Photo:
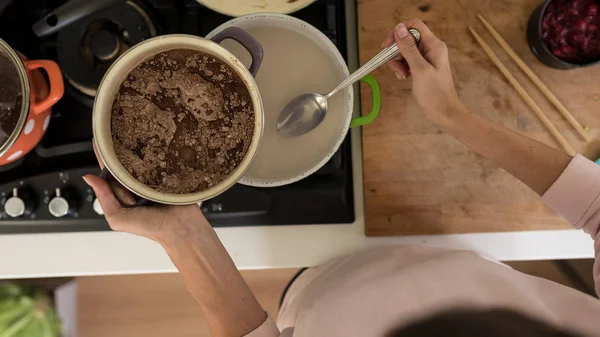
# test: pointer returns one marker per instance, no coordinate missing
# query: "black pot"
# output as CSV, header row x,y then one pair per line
x,y
539,48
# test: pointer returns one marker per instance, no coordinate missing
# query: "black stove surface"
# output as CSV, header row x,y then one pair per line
x,y
65,153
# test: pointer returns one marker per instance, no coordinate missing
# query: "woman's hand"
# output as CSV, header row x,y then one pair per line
x,y
429,65
161,223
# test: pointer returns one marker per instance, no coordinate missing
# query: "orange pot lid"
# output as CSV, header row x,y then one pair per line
x,y
14,96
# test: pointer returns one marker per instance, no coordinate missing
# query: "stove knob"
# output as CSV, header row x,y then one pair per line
x,y
19,204
63,203
97,207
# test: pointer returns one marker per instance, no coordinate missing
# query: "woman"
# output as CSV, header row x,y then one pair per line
x,y
406,290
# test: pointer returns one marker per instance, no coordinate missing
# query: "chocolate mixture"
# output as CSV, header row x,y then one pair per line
x,y
10,98
182,121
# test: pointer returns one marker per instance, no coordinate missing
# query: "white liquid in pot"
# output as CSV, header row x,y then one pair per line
x,y
293,64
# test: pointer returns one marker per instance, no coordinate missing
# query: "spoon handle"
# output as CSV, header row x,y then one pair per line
x,y
377,61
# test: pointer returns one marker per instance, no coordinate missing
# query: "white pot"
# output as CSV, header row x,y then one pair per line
x,y
117,73
262,20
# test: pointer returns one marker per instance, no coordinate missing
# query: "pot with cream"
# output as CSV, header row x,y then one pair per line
x,y
298,59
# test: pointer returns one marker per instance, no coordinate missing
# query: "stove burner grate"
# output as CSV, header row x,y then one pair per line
x,y
88,47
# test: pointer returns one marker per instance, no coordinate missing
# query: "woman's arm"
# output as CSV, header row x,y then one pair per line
x,y
570,186
575,195
213,279
207,269
535,164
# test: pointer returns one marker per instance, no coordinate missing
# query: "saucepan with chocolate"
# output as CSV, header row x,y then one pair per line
x,y
178,119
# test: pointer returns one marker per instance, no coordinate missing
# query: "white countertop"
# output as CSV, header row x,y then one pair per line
x,y
101,253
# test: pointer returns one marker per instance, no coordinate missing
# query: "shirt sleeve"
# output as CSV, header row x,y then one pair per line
x,y
575,196
266,329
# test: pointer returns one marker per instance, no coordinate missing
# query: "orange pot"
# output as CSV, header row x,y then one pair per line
x,y
25,109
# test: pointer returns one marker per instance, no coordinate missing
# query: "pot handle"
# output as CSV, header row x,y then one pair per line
x,y
106,176
57,87
247,41
375,105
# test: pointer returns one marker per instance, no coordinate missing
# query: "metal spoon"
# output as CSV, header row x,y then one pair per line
x,y
306,111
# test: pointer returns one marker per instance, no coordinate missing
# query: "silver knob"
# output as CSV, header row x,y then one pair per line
x,y
15,206
97,207
59,206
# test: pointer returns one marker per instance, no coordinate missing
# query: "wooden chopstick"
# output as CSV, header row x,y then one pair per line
x,y
535,79
536,109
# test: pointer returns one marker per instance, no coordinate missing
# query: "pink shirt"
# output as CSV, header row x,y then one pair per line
x,y
369,293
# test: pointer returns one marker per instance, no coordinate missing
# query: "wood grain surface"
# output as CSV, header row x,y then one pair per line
x,y
419,180
159,305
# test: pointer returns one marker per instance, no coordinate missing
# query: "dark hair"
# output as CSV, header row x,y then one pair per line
x,y
479,323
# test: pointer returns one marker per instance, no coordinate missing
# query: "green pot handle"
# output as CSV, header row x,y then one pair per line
x,y
375,107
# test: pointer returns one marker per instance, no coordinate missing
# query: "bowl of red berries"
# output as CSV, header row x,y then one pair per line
x,y
565,34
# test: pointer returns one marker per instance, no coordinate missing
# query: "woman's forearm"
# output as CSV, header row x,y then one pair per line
x,y
213,279
535,164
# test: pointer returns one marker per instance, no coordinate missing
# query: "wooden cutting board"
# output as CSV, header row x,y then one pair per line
x,y
419,180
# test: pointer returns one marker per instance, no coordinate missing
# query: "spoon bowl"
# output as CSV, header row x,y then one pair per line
x,y
302,114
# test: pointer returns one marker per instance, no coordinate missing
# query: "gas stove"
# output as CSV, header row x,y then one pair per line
x,y
84,51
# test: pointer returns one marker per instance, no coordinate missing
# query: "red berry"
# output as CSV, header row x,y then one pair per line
x,y
581,25
557,52
567,50
574,11
593,9
563,32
